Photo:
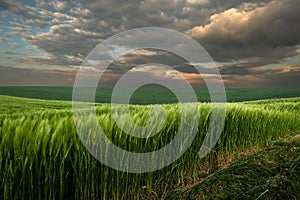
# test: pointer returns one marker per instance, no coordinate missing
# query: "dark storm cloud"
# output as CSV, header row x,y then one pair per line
x,y
78,26
268,31
179,15
65,41
248,33
4,5
102,19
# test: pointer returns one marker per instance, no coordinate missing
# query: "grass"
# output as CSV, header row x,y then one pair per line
x,y
11,104
148,95
42,156
272,173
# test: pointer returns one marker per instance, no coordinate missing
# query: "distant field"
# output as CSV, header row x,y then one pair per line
x,y
148,95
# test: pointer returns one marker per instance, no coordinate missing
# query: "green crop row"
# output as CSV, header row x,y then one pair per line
x,y
42,156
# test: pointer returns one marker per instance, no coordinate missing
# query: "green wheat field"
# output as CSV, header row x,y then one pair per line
x,y
256,157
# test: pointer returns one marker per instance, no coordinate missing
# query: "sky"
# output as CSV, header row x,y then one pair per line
x,y
255,44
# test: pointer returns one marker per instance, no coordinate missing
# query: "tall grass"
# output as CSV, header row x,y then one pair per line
x,y
42,156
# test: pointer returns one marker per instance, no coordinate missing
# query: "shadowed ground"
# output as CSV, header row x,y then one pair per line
x,y
272,173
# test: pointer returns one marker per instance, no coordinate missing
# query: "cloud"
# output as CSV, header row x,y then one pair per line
x,y
196,2
4,5
236,76
2,40
80,12
14,76
140,57
18,29
13,53
65,41
75,28
13,45
49,60
252,30
30,49
61,5
38,22
285,77
122,15
247,33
